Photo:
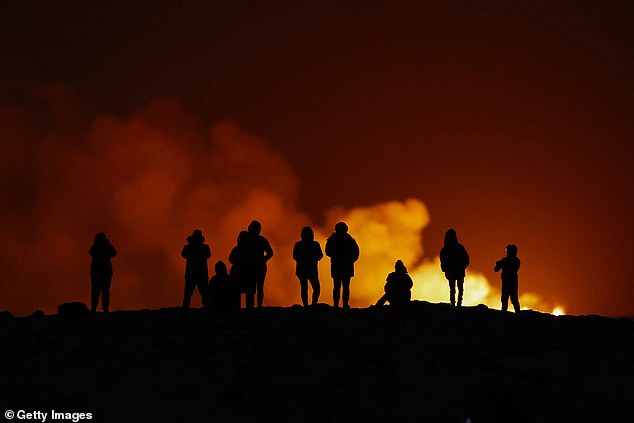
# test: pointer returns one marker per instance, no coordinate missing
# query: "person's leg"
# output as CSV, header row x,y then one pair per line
x,y
314,282
249,300
303,291
452,291
105,294
201,285
505,296
259,285
346,292
190,285
382,301
336,291
460,291
95,289
514,298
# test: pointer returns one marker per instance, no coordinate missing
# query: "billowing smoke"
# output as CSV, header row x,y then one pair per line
x,y
148,180
394,231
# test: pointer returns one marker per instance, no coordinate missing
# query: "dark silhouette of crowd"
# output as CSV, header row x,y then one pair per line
x,y
249,258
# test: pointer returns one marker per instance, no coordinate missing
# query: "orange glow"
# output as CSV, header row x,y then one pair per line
x,y
558,311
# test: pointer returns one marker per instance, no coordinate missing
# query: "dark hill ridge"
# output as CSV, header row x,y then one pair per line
x,y
430,362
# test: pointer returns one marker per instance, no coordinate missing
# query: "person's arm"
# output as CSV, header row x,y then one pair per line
x,y
113,252
498,266
233,255
296,252
185,252
318,253
268,251
355,250
207,251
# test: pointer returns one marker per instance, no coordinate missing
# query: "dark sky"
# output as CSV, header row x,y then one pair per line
x,y
512,121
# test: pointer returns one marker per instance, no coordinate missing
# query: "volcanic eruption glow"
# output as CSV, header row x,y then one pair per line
x,y
148,180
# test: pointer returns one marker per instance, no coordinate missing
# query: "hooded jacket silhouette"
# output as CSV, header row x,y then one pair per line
x,y
454,261
343,252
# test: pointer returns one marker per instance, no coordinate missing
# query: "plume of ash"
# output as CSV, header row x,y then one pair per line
x,y
148,180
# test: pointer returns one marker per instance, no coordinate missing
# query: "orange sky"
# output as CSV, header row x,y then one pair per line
x,y
510,123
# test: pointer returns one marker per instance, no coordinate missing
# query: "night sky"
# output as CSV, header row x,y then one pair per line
x,y
511,121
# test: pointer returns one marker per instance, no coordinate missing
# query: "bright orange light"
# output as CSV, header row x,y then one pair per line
x,y
558,311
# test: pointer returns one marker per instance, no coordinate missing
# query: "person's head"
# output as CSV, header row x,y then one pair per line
x,y
255,227
511,250
341,228
451,237
243,238
221,268
399,267
308,234
100,238
196,237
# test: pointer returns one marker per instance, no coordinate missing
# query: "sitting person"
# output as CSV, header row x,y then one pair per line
x,y
220,294
398,287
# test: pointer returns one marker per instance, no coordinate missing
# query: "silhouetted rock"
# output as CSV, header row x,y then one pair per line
x,y
73,310
37,314
427,362
5,315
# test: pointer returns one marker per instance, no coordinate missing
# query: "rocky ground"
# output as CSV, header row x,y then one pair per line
x,y
429,363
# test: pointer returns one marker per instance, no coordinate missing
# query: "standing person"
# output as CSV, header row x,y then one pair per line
x,y
454,261
241,259
510,265
262,252
397,287
196,252
307,254
101,252
343,252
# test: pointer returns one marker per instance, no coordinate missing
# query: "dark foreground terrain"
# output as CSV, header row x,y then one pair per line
x,y
429,363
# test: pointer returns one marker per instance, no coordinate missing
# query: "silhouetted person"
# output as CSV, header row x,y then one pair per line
x,y
343,252
101,252
398,287
262,252
242,269
307,254
196,252
454,261
510,265
221,293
